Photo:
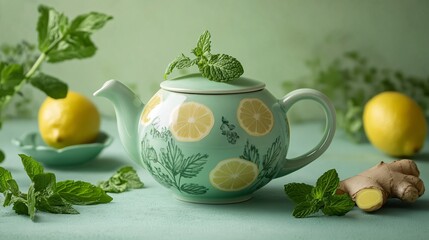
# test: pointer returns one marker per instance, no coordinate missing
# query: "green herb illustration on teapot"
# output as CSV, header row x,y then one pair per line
x,y
170,166
227,129
266,163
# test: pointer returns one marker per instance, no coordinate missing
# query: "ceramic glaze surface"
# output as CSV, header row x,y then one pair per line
x,y
208,132
212,142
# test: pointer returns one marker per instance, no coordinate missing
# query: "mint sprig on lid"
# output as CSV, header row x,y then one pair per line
x,y
215,67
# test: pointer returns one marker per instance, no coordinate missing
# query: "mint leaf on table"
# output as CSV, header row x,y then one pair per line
x,y
124,179
12,195
45,183
82,193
215,67
31,166
326,185
5,176
304,209
20,207
323,197
31,202
55,204
337,205
298,192
45,193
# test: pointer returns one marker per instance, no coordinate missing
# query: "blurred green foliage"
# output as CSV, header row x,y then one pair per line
x,y
350,81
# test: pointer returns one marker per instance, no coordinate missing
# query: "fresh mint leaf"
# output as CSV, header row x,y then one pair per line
x,y
52,27
11,76
337,205
45,194
203,45
221,68
215,67
55,204
45,183
31,166
89,22
185,63
31,202
13,187
51,86
323,196
75,46
81,193
113,185
298,192
61,41
5,176
326,185
128,174
180,62
125,178
304,209
20,207
7,199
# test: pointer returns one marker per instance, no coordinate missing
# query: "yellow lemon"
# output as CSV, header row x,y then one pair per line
x,y
395,124
153,102
191,122
68,121
233,174
255,117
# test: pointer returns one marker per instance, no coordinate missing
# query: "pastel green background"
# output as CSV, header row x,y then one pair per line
x,y
272,39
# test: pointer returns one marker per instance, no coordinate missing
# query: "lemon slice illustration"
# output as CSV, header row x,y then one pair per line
x,y
233,174
191,122
153,102
255,117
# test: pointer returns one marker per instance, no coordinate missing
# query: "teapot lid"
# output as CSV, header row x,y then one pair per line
x,y
195,83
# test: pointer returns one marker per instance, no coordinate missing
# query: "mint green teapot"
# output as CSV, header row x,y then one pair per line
x,y
212,142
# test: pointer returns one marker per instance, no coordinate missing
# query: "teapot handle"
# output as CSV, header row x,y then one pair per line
x,y
291,165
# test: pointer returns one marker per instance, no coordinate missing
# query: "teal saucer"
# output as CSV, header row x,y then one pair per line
x,y
33,145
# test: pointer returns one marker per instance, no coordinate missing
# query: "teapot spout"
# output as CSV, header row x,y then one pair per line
x,y
128,108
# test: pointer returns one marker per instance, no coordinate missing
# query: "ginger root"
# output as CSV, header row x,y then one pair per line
x,y
371,188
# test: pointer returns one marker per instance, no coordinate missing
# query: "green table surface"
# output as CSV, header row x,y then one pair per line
x,y
153,213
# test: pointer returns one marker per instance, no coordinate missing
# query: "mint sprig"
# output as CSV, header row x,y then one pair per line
x,y
215,67
45,193
125,178
59,39
311,199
